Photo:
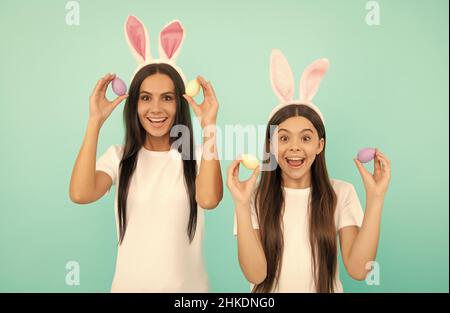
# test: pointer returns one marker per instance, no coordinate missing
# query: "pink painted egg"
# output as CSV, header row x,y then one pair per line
x,y
119,87
366,155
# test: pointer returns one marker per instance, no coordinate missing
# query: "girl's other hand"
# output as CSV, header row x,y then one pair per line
x,y
376,184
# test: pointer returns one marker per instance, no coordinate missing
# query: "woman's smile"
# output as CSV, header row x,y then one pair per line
x,y
157,122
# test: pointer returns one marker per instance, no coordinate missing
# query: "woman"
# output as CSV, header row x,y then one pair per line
x,y
159,185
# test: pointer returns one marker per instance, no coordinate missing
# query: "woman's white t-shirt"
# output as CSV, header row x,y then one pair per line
x,y
155,255
296,268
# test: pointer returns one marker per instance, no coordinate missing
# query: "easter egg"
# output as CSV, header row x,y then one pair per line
x,y
366,155
250,161
193,88
119,87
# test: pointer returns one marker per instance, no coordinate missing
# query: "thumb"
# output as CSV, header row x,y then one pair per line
x,y
255,175
230,175
193,104
119,100
362,170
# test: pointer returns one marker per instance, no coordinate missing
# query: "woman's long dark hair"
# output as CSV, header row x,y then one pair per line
x,y
135,138
269,201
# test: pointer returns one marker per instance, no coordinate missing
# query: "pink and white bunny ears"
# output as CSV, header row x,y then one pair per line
x,y
171,39
282,81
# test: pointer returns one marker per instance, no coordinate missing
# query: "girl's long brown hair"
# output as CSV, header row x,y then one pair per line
x,y
269,201
135,139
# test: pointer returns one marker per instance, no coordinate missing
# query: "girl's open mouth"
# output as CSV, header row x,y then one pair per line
x,y
157,122
295,162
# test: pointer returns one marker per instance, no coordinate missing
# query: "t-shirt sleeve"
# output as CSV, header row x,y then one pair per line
x,y
349,208
109,162
254,218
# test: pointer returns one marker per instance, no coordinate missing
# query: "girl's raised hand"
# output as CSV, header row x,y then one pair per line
x,y
241,190
100,108
376,184
206,112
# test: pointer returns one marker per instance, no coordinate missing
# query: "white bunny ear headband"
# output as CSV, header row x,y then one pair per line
x,y
171,39
282,81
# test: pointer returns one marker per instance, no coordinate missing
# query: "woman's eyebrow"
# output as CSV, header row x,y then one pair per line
x,y
302,131
164,93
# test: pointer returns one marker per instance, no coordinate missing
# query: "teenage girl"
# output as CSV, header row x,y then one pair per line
x,y
288,223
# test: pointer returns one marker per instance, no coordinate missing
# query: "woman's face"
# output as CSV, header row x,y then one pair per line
x,y
157,105
298,145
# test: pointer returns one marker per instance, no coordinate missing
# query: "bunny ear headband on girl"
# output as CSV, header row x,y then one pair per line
x,y
282,81
171,38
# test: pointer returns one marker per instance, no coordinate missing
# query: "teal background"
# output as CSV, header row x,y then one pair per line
x,y
387,87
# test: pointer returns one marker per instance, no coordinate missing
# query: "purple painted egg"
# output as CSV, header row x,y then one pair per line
x,y
119,87
366,155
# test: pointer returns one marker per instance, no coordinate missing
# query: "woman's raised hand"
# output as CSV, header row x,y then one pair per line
x,y
100,107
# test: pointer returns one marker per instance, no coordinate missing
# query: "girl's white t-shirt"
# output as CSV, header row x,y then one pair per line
x,y
296,268
155,255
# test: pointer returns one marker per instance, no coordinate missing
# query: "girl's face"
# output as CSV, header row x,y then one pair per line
x,y
157,105
298,145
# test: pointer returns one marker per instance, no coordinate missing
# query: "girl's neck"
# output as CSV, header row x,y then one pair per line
x,y
157,143
301,183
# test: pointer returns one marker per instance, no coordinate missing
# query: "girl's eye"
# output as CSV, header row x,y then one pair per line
x,y
167,98
145,98
306,138
283,138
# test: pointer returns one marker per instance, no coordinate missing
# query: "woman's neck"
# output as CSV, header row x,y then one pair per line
x,y
157,143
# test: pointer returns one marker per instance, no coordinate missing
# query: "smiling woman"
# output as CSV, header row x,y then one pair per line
x,y
157,112
161,190
157,105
